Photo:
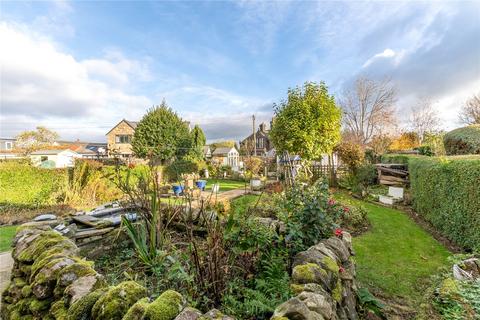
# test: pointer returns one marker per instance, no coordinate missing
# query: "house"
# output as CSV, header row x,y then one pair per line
x,y
263,143
92,150
119,139
54,158
7,144
227,156
207,152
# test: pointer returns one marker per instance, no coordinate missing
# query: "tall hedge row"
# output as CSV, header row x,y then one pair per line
x,y
464,140
28,185
446,192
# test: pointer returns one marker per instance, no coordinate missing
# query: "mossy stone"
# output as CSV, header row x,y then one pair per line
x,y
59,311
116,302
26,291
330,264
37,306
337,291
42,243
166,307
308,273
137,311
82,308
448,288
279,318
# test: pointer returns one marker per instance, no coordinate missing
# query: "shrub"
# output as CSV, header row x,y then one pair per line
x,y
446,193
27,185
463,140
174,171
351,155
397,158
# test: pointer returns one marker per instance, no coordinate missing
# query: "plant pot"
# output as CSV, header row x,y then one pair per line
x,y
201,184
177,190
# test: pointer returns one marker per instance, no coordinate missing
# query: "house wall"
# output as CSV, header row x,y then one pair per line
x,y
121,148
62,160
6,145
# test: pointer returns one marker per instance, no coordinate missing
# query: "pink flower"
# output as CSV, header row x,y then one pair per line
x,y
341,269
331,202
338,232
346,209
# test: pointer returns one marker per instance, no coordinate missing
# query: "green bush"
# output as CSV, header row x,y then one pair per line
x,y
174,171
446,193
397,158
463,140
23,184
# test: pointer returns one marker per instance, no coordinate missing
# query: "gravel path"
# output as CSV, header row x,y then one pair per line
x,y
6,264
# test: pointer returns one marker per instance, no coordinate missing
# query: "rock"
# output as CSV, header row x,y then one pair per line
x,y
83,286
166,307
349,301
45,280
468,269
81,309
215,314
116,302
308,287
44,217
189,314
58,310
308,273
325,251
347,241
338,247
309,256
293,309
322,304
137,311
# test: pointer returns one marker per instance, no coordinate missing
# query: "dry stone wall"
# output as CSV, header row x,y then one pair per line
x,y
51,281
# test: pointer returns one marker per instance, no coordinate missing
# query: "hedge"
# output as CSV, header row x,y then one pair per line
x,y
398,158
446,192
464,140
23,184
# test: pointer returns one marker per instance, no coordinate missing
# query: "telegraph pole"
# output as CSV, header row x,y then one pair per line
x,y
254,136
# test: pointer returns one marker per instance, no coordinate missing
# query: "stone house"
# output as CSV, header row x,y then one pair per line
x,y
119,139
263,143
226,156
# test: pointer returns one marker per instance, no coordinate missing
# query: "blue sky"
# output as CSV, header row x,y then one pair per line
x,y
80,67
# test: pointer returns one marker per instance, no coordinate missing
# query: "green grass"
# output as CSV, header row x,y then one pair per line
x,y
6,236
396,255
241,204
225,185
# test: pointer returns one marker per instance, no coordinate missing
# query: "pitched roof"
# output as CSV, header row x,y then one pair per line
x,y
132,124
50,151
222,150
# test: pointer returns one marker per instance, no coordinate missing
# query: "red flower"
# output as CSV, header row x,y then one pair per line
x,y
331,202
131,165
346,209
338,232
341,269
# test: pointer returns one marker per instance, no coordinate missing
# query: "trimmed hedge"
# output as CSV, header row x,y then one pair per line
x,y
25,184
398,158
446,192
464,140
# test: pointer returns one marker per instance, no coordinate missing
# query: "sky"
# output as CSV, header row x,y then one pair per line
x,y
80,67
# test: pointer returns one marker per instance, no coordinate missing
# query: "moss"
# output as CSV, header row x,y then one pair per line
x,y
19,282
278,318
26,269
37,306
308,273
58,310
330,264
166,307
81,268
62,249
82,308
42,243
296,288
137,311
448,288
337,291
50,271
26,291
116,302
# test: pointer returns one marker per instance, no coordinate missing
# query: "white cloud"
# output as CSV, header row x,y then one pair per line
x,y
387,53
42,83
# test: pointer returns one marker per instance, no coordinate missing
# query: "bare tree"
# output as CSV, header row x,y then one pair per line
x,y
424,118
470,113
35,139
368,108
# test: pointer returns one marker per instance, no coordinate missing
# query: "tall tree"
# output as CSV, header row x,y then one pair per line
x,y
198,142
368,108
470,113
424,119
35,139
308,122
161,134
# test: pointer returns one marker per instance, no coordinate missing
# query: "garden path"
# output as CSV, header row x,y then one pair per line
x,y
6,264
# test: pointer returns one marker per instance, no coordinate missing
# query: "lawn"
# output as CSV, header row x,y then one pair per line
x,y
225,185
6,236
241,204
396,255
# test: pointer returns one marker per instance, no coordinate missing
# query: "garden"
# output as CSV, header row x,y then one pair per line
x,y
301,246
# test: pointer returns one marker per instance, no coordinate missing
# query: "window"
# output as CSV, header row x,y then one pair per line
x,y
43,158
124,138
8,145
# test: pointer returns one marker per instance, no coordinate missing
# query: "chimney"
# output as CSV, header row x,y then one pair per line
x,y
263,127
